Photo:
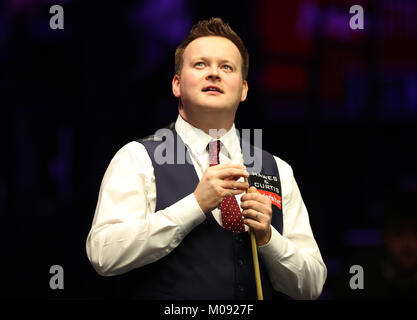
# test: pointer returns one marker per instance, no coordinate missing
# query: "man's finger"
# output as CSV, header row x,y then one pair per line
x,y
253,190
257,196
232,172
232,184
255,205
252,214
228,165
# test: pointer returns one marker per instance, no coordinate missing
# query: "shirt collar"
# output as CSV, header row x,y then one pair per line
x,y
197,139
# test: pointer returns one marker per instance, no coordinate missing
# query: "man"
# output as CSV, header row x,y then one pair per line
x,y
160,224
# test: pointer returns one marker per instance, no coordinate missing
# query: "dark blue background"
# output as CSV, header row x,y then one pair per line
x,y
339,105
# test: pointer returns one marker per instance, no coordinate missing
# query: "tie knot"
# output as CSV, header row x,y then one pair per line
x,y
214,150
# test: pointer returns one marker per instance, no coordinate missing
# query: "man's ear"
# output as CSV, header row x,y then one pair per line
x,y
176,86
245,89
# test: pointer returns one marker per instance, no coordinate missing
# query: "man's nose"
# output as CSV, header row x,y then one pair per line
x,y
213,73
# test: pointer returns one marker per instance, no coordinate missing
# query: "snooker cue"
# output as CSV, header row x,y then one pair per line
x,y
255,260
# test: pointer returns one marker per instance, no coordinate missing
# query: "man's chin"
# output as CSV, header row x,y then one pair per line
x,y
209,105
214,105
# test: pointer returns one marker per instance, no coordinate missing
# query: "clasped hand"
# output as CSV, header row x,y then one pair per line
x,y
220,181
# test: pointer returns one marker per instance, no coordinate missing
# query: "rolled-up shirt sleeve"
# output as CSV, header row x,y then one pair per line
x,y
293,260
126,232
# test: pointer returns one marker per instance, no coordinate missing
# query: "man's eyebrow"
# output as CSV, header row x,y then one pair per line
x,y
198,58
206,58
227,61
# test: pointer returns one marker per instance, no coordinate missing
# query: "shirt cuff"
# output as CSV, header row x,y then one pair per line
x,y
187,213
276,247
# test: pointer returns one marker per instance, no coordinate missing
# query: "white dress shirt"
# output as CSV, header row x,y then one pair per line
x,y
127,233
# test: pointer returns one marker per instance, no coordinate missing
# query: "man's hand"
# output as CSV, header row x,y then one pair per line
x,y
257,210
218,182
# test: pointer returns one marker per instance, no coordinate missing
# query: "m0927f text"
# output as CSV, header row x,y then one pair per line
x,y
238,309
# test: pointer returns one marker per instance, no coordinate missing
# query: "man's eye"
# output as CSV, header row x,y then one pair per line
x,y
227,67
199,64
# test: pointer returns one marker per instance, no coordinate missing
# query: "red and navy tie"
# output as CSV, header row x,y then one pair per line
x,y
231,215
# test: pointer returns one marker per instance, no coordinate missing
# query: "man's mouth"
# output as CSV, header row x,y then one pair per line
x,y
212,89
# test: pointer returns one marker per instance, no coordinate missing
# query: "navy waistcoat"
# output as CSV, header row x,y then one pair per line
x,y
210,262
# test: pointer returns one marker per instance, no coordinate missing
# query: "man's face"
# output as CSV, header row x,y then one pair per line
x,y
211,76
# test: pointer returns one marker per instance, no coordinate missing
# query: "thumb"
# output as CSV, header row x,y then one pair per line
x,y
253,190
